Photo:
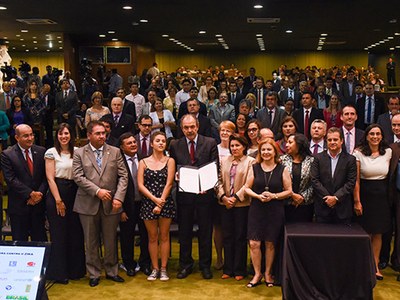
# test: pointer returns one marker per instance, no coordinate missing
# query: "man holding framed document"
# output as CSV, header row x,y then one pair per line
x,y
194,150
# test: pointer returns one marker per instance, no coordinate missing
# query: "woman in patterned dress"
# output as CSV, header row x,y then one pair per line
x,y
155,179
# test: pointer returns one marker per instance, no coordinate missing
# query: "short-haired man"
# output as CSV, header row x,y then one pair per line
x,y
318,132
369,107
194,108
259,91
348,88
333,177
385,119
66,104
128,107
136,98
108,126
23,168
321,98
352,135
194,150
271,115
5,96
100,173
193,94
122,121
183,94
143,137
223,111
234,96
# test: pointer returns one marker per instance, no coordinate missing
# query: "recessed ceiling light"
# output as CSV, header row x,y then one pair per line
x,y
218,35
366,48
127,7
60,47
4,37
165,35
392,48
3,8
26,50
397,33
7,42
258,34
289,31
143,21
48,50
13,48
23,45
17,35
60,42
390,37
21,39
50,44
24,30
393,21
135,23
258,6
114,40
102,35
34,37
111,31
386,40
202,31
397,47
35,42
324,34
191,50
35,48
59,37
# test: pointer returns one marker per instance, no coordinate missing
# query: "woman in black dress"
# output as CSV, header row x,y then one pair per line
x,y
155,178
269,184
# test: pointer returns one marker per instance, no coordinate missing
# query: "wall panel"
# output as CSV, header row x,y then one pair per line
x,y
40,60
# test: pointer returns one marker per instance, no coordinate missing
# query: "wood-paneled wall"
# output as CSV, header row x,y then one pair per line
x,y
264,63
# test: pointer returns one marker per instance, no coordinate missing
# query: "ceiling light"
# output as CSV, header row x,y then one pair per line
x,y
191,50
392,48
258,6
48,50
21,39
60,48
59,42
397,33
23,45
24,30
34,37
127,7
322,38
3,8
390,37
14,48
35,42
6,42
202,31
258,34
4,37
102,35
218,35
143,21
366,48
114,40
397,47
386,40
35,48
289,31
111,31
324,34
165,35
135,23
50,44
17,35
27,50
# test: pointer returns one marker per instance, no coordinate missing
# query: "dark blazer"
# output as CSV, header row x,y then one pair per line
x,y
359,136
125,124
129,109
20,182
140,154
341,185
127,205
183,109
284,95
248,84
386,123
263,117
206,152
239,97
49,109
346,98
254,91
379,109
298,115
68,105
205,127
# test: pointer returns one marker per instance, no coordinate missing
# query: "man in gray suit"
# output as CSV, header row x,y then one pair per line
x,y
271,115
222,111
102,179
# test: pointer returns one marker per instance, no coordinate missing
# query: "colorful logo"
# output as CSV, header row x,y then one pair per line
x,y
8,287
12,264
31,264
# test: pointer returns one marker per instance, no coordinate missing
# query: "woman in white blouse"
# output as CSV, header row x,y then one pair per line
x,y
97,110
162,119
67,257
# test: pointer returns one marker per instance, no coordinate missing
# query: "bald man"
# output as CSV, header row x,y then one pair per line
x,y
122,121
24,171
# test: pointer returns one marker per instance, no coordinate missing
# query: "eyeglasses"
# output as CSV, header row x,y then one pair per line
x,y
252,129
146,125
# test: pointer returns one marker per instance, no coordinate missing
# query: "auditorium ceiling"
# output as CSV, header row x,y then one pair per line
x,y
205,25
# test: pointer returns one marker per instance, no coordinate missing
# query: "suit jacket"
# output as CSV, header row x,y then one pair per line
x,y
298,115
139,142
394,194
68,105
254,91
113,176
386,123
20,182
263,117
125,124
128,205
284,95
359,136
217,116
379,109
243,169
205,127
3,101
346,98
341,185
183,109
206,152
49,109
238,97
248,84
129,109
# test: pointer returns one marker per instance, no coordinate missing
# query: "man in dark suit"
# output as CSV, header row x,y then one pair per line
x,y
249,81
205,128
391,72
307,114
108,125
194,150
385,119
260,92
348,88
352,135
369,108
66,104
291,93
318,132
183,108
337,83
130,211
321,98
23,168
122,121
48,111
100,173
5,96
234,97
15,90
271,115
333,177
128,106
143,137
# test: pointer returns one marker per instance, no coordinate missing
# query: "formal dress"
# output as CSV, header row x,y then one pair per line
x,y
67,256
155,181
266,219
374,192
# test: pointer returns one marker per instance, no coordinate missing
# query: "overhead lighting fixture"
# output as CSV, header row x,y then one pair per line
x,y
35,48
258,35
111,31
59,37
392,48
114,40
165,35
48,50
26,50
324,34
23,45
4,37
102,35
127,7
3,8
60,42
50,44
143,21
60,48
289,31
202,31
35,42
397,33
258,6
34,37
17,35
24,30
21,40
218,35
390,37
7,42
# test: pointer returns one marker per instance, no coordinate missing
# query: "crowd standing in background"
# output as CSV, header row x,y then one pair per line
x,y
305,145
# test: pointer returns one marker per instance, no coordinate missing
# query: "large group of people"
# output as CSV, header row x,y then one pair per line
x,y
303,147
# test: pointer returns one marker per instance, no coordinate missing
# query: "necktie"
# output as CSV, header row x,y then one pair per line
x,y
291,94
270,117
144,146
369,111
259,98
306,121
233,98
116,117
348,149
8,103
98,158
133,171
232,175
192,151
29,161
65,95
315,151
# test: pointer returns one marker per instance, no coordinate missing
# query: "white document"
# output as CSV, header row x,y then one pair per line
x,y
194,180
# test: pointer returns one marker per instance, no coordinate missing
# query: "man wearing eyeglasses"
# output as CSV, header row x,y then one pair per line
x,y
143,137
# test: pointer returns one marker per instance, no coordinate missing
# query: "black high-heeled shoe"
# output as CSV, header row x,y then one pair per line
x,y
251,285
